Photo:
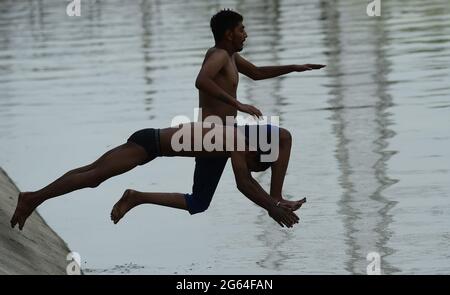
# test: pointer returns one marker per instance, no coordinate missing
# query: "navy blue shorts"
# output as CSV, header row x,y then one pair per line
x,y
206,178
208,172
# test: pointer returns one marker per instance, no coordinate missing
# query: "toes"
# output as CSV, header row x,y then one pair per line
x,y
114,215
113,212
21,224
298,204
13,221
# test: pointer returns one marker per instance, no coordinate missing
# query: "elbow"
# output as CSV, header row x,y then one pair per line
x,y
285,137
258,77
257,74
242,188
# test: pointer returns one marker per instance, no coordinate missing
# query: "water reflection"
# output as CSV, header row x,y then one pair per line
x,y
146,11
265,34
7,103
359,67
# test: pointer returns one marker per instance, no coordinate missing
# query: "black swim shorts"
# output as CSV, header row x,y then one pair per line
x,y
149,139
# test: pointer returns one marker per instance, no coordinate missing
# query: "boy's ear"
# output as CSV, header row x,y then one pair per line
x,y
228,35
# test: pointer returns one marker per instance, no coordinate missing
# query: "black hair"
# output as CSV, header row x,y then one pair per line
x,y
222,21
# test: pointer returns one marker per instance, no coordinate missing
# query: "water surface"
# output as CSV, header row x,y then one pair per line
x,y
371,131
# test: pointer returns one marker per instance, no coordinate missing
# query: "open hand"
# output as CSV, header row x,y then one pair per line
x,y
283,215
308,67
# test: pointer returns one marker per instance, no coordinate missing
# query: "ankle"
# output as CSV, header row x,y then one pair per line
x,y
277,198
135,197
34,196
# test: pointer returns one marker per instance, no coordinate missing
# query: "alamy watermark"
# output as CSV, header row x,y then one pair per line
x,y
74,266
374,267
74,8
374,8
212,134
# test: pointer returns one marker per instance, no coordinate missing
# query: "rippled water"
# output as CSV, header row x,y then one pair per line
x,y
371,131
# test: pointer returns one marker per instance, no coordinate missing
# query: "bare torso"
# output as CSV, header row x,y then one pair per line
x,y
227,79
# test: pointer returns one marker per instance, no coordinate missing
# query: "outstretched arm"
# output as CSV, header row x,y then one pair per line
x,y
252,190
259,73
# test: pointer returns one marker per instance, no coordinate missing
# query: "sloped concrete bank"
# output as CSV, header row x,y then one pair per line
x,y
35,250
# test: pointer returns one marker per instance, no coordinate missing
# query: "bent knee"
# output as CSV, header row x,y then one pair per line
x,y
199,208
285,136
196,205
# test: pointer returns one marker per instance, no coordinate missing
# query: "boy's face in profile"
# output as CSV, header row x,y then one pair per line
x,y
239,36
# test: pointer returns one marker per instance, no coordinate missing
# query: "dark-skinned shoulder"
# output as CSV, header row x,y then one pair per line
x,y
213,63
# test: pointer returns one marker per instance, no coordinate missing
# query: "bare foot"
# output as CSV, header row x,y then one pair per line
x,y
26,203
293,205
126,202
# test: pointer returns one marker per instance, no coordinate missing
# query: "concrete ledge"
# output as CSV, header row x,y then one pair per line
x,y
35,250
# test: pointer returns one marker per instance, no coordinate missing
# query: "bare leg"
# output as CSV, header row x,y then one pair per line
x,y
132,198
279,169
114,162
